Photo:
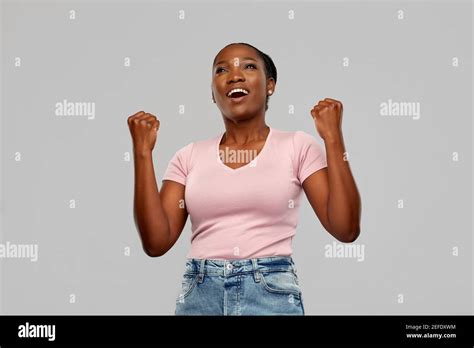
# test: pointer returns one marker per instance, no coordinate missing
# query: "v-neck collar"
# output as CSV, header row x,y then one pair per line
x,y
219,138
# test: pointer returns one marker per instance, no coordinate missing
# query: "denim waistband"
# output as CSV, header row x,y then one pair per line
x,y
234,266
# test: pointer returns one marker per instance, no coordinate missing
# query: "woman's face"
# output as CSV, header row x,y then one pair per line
x,y
239,66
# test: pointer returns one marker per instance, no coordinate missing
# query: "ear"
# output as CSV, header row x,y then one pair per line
x,y
271,85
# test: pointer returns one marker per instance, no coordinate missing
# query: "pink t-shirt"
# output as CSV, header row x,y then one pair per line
x,y
251,211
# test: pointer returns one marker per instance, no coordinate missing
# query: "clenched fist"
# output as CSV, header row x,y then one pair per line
x,y
327,115
144,129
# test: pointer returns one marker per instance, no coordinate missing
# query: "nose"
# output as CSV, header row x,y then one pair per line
x,y
235,79
236,75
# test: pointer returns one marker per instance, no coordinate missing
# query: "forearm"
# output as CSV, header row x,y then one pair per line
x,y
150,218
344,199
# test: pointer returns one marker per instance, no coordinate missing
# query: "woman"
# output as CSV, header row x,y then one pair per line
x,y
243,211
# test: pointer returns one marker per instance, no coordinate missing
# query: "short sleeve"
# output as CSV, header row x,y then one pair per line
x,y
178,167
310,156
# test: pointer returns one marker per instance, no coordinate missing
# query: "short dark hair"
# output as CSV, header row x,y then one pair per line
x,y
270,68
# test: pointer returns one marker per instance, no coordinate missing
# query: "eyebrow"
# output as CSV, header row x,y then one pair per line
x,y
244,58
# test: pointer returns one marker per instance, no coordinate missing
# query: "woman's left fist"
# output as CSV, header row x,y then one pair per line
x,y
327,115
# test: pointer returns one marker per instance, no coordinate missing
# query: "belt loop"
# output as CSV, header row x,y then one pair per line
x,y
256,272
293,264
201,271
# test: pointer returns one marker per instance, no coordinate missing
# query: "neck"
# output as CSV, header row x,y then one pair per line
x,y
244,133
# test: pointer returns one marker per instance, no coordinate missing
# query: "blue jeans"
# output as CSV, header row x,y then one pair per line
x,y
259,286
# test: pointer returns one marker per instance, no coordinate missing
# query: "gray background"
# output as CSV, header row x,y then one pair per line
x,y
81,251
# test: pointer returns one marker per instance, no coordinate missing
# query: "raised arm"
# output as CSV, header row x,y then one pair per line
x,y
159,216
332,191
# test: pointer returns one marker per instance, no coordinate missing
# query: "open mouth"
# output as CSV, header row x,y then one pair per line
x,y
237,95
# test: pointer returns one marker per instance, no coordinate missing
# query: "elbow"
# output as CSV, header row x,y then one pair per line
x,y
153,251
154,247
347,233
350,236
153,254
353,236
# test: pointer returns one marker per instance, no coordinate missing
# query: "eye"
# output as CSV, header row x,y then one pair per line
x,y
218,70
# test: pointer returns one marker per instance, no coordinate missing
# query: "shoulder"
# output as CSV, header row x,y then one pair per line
x,y
302,141
195,146
282,137
297,135
198,151
297,140
303,137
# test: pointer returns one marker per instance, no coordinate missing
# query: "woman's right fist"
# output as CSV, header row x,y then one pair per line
x,y
143,128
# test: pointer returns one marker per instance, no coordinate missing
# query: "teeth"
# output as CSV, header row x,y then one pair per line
x,y
237,90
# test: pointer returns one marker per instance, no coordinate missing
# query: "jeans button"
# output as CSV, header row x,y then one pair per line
x,y
229,266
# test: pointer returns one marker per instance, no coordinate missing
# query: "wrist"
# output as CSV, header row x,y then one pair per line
x,y
333,138
142,153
